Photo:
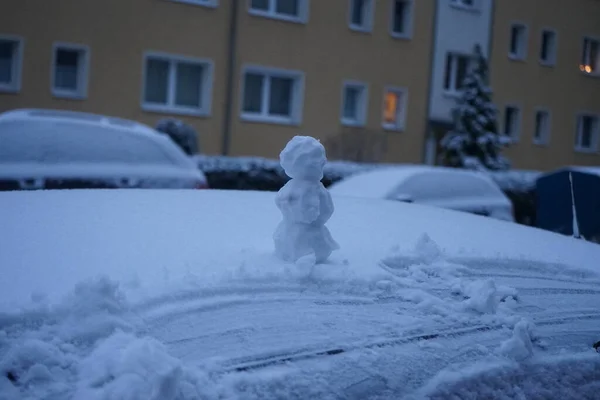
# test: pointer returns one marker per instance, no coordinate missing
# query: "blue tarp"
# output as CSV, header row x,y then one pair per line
x,y
554,205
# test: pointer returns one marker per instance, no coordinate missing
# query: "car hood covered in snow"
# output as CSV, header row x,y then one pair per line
x,y
177,295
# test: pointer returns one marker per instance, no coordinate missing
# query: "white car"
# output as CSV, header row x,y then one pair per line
x,y
451,188
53,149
176,295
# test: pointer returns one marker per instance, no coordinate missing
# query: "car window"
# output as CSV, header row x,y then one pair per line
x,y
68,142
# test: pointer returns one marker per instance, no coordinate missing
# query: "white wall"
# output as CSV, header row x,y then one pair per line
x,y
458,30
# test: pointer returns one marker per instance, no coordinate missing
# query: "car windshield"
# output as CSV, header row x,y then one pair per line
x,y
58,142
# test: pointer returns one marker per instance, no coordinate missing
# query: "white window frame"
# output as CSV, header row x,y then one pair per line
x,y
516,135
83,71
369,18
363,106
584,52
203,3
409,21
544,139
400,124
303,7
297,100
171,107
15,85
553,51
595,133
462,5
525,27
453,91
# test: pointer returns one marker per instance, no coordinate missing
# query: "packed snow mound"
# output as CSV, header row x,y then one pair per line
x,y
520,346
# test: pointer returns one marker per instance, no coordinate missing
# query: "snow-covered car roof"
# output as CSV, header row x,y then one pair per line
x,y
109,294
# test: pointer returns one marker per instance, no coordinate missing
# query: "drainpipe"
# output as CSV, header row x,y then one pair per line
x,y
231,62
431,73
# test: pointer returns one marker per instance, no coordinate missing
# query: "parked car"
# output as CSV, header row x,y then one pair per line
x,y
451,188
52,149
172,294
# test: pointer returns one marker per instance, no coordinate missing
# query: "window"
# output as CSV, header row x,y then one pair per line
x,y
456,69
272,95
361,15
401,21
11,53
463,3
354,103
394,108
177,84
291,10
518,42
541,134
548,47
70,70
590,57
587,133
512,117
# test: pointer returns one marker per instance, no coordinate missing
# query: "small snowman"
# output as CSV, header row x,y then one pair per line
x,y
304,203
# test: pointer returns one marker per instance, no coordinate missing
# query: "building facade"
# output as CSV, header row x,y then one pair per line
x,y
375,80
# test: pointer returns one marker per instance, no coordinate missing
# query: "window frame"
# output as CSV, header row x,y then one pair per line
x,y
363,107
595,138
170,107
297,100
551,62
15,85
409,22
516,135
369,18
83,71
461,5
400,125
583,55
202,3
453,90
544,139
514,56
303,8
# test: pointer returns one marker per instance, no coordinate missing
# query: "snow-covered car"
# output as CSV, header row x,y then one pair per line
x,y
112,295
53,149
450,188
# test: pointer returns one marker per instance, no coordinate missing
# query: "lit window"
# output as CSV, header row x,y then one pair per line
x,y
456,70
394,108
401,18
10,64
548,47
587,133
590,57
518,41
361,15
354,104
70,70
541,133
512,116
177,84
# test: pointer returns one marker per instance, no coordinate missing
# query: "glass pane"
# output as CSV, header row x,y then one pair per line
x,y
514,40
260,5
287,7
7,50
594,56
461,70
448,73
509,117
253,86
544,55
188,89
351,99
586,132
539,125
157,81
66,69
67,58
392,108
280,100
358,12
400,16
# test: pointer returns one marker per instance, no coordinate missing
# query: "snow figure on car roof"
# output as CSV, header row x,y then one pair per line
x,y
305,204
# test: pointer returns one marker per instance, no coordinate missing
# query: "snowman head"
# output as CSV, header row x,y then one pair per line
x,y
303,158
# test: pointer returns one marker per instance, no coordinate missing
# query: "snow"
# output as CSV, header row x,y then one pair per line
x,y
304,203
520,345
175,294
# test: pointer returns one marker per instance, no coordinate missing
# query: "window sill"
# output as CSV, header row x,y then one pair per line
x,y
278,17
585,150
201,3
163,109
452,94
549,64
267,119
514,57
590,74
352,123
65,94
401,36
541,143
361,29
10,89
393,128
462,7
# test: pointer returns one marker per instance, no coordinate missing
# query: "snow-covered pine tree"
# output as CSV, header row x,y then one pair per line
x,y
474,142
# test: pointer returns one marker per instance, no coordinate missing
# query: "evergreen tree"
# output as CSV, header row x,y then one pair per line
x,y
474,142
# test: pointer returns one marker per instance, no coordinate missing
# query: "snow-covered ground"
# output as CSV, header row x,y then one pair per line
x,y
177,295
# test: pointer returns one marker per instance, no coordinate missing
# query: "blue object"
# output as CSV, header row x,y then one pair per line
x,y
554,205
